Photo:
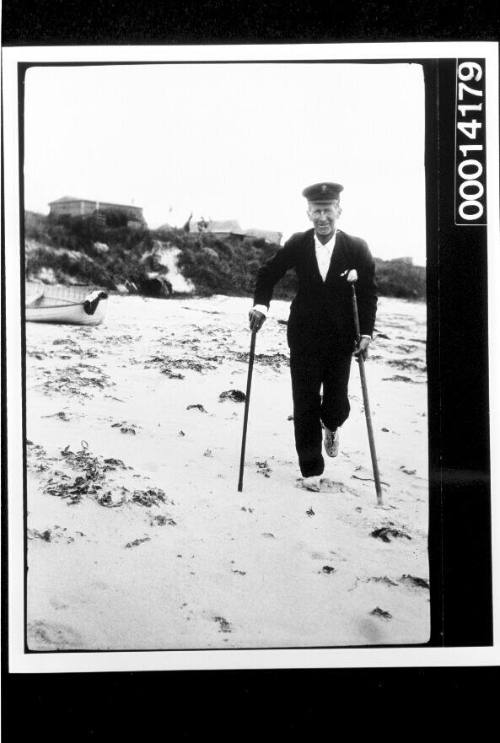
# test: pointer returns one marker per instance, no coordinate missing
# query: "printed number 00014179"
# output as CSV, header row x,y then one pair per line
x,y
470,139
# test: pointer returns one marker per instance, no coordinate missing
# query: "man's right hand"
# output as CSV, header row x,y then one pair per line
x,y
256,319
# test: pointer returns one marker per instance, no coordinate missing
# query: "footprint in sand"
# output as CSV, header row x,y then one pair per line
x,y
370,630
56,604
324,485
52,636
322,555
100,585
331,485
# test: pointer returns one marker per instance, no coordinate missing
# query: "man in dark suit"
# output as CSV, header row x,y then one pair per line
x,y
321,332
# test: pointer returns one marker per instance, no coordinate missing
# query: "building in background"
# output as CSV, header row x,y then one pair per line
x,y
270,236
73,207
229,228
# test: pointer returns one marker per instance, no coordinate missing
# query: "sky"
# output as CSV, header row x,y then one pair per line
x,y
235,141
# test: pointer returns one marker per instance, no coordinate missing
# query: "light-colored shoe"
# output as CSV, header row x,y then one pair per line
x,y
310,483
331,441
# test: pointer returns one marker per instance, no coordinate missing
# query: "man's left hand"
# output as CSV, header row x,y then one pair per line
x,y
362,348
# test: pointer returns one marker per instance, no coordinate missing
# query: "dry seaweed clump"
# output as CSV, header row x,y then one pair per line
x,y
54,534
77,381
94,466
90,480
36,457
234,395
150,497
126,427
170,366
274,360
388,532
263,468
224,625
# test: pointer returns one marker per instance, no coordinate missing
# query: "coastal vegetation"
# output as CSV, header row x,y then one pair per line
x,y
105,251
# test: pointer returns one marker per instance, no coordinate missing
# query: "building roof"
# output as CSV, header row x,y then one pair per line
x,y
272,236
232,227
226,226
69,199
66,198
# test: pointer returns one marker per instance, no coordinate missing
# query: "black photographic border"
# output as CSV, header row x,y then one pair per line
x,y
457,521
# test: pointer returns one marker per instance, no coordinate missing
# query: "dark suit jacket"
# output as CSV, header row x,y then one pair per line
x,y
321,314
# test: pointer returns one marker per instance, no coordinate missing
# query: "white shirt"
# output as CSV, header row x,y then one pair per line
x,y
324,254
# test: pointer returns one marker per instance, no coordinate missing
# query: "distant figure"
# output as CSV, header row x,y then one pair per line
x,y
321,332
186,226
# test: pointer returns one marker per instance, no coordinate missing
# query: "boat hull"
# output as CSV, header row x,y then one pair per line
x,y
71,315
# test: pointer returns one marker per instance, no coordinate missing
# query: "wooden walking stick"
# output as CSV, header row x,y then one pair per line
x,y
247,405
352,277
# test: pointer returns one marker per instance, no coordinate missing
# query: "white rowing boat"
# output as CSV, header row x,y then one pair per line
x,y
74,305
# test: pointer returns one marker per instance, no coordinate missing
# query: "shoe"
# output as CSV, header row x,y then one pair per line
x,y
331,442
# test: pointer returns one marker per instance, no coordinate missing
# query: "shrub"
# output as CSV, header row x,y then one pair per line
x,y
400,278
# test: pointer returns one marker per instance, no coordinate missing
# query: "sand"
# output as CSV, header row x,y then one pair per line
x,y
156,549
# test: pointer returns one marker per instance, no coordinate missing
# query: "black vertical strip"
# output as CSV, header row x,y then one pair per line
x,y
432,184
21,72
3,428
463,369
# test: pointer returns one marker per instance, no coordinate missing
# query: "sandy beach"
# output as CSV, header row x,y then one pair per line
x,y
137,536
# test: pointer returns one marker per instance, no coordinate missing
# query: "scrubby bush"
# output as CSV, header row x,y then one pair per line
x,y
400,278
67,264
115,218
216,265
66,245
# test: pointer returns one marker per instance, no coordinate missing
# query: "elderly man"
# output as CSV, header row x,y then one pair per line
x,y
321,332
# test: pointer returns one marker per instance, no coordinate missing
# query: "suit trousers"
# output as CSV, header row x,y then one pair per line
x,y
311,371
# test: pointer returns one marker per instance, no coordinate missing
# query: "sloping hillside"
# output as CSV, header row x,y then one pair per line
x,y
169,261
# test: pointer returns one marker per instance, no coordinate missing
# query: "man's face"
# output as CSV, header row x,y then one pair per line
x,y
324,215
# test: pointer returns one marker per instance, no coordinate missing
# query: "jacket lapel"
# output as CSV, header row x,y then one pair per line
x,y
339,259
312,260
